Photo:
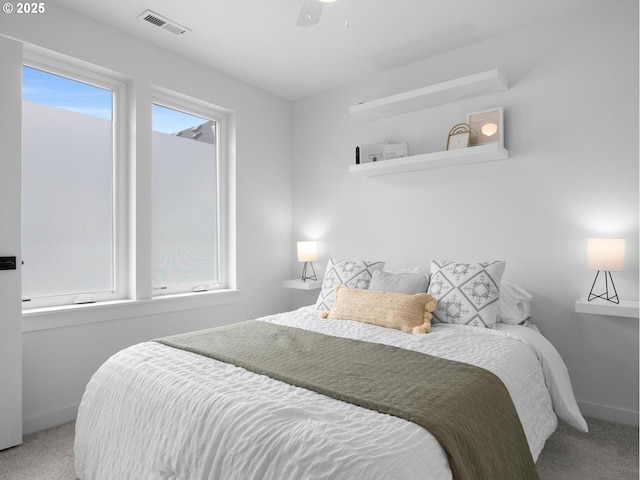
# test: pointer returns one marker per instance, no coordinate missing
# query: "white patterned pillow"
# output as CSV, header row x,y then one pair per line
x,y
467,293
350,273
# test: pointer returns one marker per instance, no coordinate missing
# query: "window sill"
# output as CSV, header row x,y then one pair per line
x,y
72,315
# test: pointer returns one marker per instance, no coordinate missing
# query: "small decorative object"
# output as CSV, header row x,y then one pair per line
x,y
486,127
308,253
396,150
372,152
605,255
458,137
357,155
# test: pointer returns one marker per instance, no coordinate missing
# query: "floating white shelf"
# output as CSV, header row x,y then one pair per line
x,y
626,308
298,284
464,156
475,85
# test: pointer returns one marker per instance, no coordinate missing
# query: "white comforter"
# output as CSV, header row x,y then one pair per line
x,y
154,412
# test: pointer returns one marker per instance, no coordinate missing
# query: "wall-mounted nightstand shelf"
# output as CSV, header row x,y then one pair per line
x,y
626,308
298,284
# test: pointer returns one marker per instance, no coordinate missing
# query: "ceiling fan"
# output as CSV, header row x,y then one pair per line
x,y
310,12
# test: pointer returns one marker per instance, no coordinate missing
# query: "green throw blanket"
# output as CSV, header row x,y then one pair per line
x,y
466,408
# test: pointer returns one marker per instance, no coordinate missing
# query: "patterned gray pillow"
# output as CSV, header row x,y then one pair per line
x,y
350,273
467,293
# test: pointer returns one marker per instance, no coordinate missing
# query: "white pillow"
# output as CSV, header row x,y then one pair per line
x,y
467,293
514,306
410,283
350,273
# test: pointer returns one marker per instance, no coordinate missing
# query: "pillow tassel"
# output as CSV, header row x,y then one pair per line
x,y
426,326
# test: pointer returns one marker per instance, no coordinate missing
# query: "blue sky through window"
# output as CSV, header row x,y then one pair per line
x,y
168,120
49,89
61,92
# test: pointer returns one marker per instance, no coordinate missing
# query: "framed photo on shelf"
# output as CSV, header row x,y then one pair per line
x,y
372,152
395,150
487,126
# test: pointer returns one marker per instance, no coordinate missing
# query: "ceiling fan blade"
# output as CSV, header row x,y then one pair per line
x,y
309,13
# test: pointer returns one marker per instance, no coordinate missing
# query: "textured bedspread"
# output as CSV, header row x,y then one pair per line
x,y
155,412
467,408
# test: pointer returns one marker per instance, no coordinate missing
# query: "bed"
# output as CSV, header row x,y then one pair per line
x,y
153,411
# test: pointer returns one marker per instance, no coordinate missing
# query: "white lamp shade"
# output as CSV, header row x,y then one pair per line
x,y
605,254
307,251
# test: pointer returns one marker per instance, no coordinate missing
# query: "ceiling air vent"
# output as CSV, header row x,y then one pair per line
x,y
162,22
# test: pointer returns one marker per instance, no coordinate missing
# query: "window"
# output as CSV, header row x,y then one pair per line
x,y
70,245
185,199
91,229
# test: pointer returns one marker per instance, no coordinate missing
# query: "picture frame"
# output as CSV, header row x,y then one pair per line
x,y
372,152
459,136
487,126
396,150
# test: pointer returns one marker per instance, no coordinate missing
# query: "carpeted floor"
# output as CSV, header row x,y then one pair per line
x,y
608,452
45,455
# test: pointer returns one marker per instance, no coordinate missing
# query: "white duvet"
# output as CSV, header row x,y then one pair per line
x,y
155,412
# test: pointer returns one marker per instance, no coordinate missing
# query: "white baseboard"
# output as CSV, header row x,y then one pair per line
x,y
609,413
49,419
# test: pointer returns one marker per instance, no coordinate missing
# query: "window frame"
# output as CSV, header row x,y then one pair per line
x,y
135,296
89,74
173,100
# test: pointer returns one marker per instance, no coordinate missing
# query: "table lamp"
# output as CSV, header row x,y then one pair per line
x,y
605,255
307,253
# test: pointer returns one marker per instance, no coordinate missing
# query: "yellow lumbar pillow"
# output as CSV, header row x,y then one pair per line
x,y
409,313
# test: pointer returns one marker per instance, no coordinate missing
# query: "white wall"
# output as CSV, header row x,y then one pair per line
x,y
58,362
571,121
